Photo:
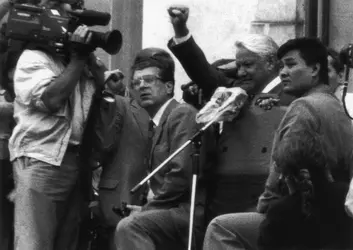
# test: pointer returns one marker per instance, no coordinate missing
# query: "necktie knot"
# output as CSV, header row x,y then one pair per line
x,y
151,127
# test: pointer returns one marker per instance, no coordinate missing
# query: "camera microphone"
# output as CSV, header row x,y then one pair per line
x,y
91,17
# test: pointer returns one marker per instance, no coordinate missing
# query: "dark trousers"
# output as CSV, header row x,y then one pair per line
x,y
234,232
154,230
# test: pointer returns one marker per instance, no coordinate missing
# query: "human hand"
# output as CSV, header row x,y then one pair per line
x,y
79,42
115,75
179,15
114,81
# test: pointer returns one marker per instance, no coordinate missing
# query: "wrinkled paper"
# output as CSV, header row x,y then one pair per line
x,y
224,106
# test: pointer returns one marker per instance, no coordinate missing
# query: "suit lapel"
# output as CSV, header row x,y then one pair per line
x,y
160,126
141,118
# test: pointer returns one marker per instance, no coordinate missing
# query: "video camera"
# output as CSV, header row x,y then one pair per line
x,y
50,29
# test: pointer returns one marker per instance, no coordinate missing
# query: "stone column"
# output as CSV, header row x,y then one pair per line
x,y
127,17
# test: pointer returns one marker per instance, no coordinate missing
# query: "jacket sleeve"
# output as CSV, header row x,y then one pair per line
x,y
299,117
177,181
108,123
197,67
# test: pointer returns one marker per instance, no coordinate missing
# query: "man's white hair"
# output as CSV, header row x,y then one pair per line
x,y
260,44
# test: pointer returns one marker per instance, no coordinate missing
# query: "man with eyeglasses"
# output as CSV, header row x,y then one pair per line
x,y
163,222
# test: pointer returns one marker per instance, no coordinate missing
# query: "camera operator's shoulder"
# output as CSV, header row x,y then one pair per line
x,y
34,56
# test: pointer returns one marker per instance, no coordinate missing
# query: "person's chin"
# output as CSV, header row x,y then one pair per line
x,y
289,90
146,103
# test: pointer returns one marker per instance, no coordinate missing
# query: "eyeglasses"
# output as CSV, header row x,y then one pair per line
x,y
147,79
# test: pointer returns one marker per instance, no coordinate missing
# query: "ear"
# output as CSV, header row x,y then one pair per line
x,y
316,69
170,87
271,63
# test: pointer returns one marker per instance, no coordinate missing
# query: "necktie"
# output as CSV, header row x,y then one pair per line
x,y
151,130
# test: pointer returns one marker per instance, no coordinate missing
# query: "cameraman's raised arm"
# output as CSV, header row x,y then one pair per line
x,y
59,89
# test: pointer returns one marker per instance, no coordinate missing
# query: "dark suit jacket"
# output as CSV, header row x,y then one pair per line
x,y
205,75
122,135
318,111
171,185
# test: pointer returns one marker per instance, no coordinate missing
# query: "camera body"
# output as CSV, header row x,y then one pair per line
x,y
49,28
38,25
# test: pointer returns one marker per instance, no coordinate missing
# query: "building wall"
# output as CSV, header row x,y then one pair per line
x,y
341,23
280,19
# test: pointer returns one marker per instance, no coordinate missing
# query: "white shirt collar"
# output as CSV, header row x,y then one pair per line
x,y
157,117
272,85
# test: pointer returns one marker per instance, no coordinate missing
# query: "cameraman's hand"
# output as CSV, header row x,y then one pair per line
x,y
179,15
79,42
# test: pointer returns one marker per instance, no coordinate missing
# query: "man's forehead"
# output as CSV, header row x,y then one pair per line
x,y
291,55
146,71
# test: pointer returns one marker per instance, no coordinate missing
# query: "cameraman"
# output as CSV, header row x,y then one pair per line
x,y
53,98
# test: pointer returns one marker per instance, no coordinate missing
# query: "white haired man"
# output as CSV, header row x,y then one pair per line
x,y
243,148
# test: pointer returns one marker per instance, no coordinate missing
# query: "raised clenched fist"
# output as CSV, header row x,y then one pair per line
x,y
179,16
